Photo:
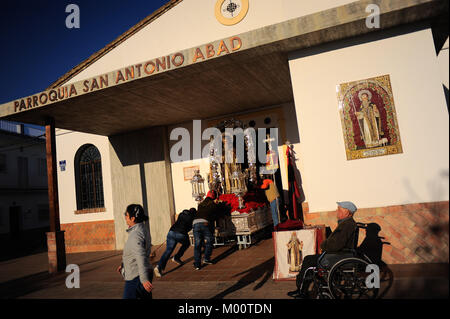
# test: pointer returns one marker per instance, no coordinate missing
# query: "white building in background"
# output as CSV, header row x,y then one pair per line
x,y
300,66
24,214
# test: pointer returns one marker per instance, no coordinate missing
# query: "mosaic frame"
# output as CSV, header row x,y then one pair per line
x,y
373,130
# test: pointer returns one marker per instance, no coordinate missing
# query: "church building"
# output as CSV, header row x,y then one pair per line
x,y
357,88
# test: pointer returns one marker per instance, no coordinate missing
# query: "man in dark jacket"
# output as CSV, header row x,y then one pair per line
x,y
203,225
178,233
339,240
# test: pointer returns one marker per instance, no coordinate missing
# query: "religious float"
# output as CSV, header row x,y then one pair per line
x,y
236,183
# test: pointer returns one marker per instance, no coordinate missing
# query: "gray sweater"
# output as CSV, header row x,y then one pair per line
x,y
136,253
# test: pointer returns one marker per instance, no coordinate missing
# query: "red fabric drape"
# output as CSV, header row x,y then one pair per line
x,y
289,225
294,192
320,237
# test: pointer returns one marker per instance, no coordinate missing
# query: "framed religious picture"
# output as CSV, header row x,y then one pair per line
x,y
368,117
189,172
291,246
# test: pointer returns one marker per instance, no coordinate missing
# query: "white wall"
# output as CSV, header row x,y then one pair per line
x,y
192,23
420,173
67,144
182,189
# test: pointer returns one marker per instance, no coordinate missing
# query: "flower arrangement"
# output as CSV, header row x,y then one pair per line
x,y
252,201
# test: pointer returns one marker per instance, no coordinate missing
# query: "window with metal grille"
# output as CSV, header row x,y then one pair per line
x,y
88,175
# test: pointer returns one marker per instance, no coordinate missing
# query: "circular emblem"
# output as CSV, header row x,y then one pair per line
x,y
229,12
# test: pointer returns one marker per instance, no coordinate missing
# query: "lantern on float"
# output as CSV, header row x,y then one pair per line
x,y
198,186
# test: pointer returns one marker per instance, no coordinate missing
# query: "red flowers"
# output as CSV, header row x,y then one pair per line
x,y
252,201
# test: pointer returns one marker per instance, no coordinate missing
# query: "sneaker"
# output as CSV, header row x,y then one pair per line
x,y
196,268
157,272
207,262
177,261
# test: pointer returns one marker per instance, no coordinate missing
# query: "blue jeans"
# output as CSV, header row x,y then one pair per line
x,y
202,233
173,238
274,208
135,290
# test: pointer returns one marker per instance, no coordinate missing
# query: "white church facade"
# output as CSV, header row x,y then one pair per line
x,y
362,104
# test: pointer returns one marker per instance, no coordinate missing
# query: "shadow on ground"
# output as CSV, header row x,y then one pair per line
x,y
25,285
263,270
28,284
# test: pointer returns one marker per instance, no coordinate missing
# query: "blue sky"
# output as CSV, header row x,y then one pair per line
x,y
37,47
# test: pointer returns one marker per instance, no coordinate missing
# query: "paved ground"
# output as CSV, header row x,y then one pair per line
x,y
236,274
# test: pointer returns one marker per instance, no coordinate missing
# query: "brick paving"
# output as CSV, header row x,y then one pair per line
x,y
235,274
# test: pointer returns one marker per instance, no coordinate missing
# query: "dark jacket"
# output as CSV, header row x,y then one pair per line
x,y
184,222
210,211
342,237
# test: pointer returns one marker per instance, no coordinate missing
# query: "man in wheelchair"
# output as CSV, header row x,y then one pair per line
x,y
340,241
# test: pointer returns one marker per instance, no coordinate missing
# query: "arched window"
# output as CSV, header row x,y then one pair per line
x,y
88,178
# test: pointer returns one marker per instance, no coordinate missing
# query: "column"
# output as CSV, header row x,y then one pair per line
x,y
55,238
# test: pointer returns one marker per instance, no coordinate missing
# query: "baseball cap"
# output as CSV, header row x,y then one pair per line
x,y
266,183
348,205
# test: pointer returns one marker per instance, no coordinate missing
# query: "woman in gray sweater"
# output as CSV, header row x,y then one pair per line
x,y
136,268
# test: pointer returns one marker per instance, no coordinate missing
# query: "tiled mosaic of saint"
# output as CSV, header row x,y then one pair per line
x,y
368,116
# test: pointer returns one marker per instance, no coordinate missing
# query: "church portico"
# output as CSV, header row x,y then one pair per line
x,y
284,76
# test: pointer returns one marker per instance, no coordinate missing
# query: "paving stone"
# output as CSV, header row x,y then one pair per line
x,y
232,277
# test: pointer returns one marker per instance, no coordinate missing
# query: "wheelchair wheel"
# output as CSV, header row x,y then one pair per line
x,y
324,295
347,280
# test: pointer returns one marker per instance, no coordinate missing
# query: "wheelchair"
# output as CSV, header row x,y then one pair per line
x,y
342,275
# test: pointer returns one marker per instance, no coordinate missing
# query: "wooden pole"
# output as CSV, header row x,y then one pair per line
x,y
55,238
50,145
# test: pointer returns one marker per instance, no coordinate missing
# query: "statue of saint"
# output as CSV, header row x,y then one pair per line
x,y
369,120
295,255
